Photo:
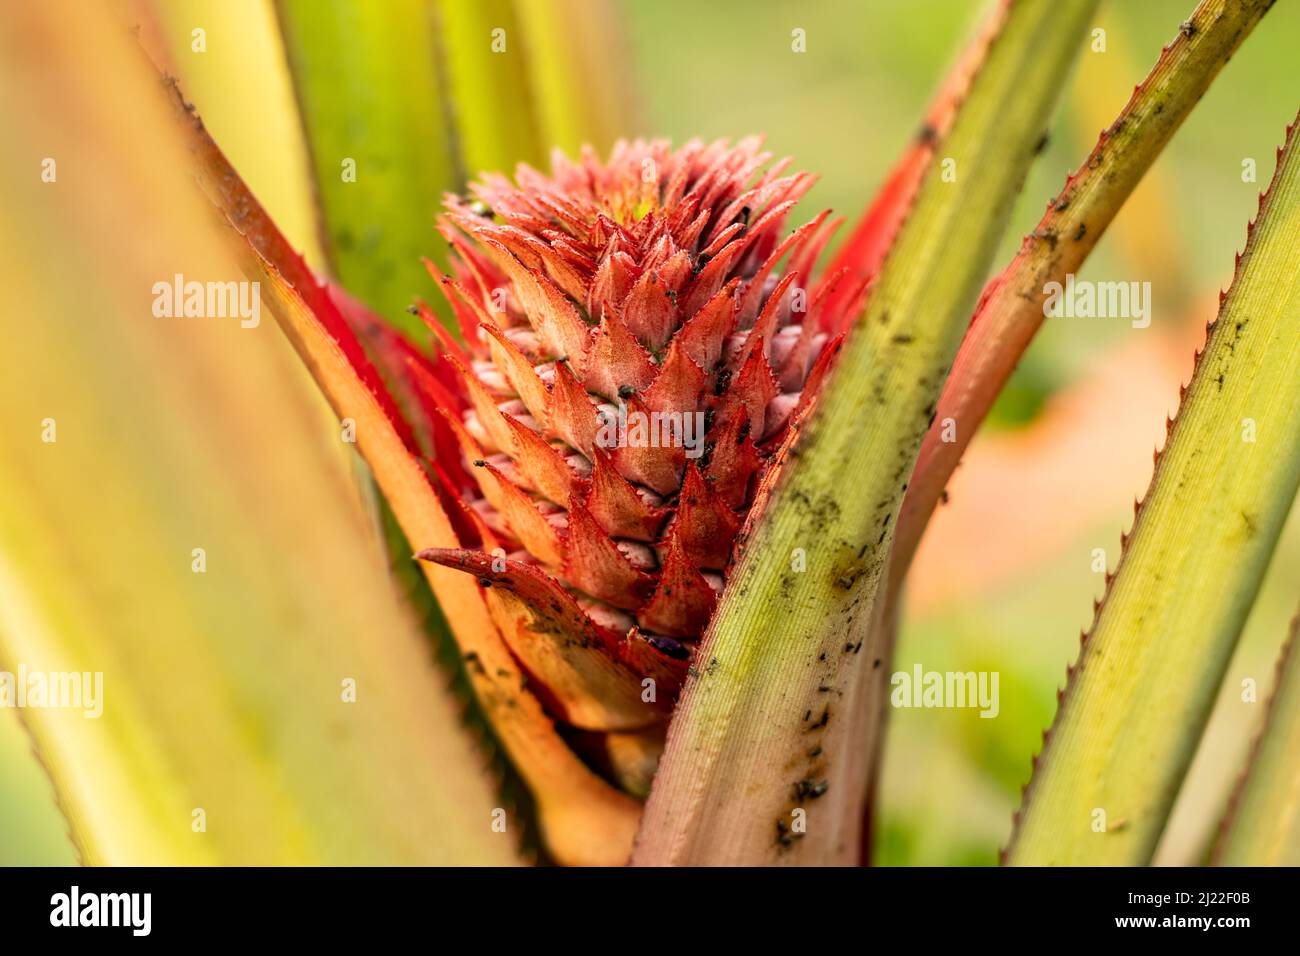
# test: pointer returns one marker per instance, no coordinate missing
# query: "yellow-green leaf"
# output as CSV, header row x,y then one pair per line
x,y
1141,692
373,103
1262,827
579,67
490,88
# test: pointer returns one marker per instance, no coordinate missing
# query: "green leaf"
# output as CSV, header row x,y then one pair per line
x,y
1011,312
374,106
1262,827
1139,696
578,64
490,88
138,439
784,652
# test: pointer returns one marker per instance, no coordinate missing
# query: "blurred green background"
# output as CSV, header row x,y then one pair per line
x,y
1004,581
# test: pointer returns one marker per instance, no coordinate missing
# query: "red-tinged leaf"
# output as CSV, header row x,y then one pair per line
x,y
712,277
766,324
864,250
613,281
674,271
561,329
471,525
449,455
792,244
760,237
805,257
645,459
770,193
477,274
813,384
402,366
485,407
537,256
777,638
1011,309
649,311
444,342
689,237
468,309
838,300
750,390
471,450
722,238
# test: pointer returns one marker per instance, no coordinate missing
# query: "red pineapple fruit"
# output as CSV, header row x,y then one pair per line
x,y
639,335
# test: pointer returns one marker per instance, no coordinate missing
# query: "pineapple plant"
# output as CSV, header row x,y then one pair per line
x,y
663,469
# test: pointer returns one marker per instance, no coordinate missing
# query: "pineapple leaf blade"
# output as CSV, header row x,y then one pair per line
x,y
373,103
1139,696
1261,827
